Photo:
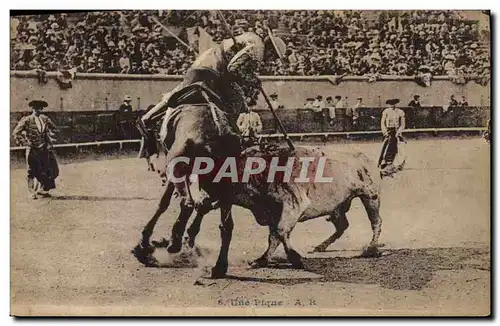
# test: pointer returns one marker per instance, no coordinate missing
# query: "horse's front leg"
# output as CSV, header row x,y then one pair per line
x,y
179,227
226,232
194,229
144,251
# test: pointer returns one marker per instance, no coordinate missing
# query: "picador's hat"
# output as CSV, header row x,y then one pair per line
x,y
392,101
273,95
38,104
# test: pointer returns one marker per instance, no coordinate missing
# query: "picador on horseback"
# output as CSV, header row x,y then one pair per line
x,y
224,76
227,74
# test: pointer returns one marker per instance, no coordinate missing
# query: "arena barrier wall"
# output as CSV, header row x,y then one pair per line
x,y
129,148
97,126
105,92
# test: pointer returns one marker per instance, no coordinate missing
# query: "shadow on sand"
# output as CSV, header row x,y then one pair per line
x,y
401,269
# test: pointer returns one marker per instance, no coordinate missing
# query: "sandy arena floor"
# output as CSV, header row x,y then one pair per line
x,y
71,254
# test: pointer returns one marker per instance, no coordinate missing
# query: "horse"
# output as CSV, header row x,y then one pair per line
x,y
194,130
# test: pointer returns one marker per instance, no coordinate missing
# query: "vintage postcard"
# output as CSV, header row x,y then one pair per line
x,y
250,163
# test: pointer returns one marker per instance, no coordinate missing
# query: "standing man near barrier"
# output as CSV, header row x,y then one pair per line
x,y
463,102
355,112
392,125
249,124
318,104
330,110
275,103
453,102
415,103
126,107
309,103
125,118
36,131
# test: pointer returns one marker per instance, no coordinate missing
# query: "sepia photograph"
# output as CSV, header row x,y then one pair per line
x,y
250,163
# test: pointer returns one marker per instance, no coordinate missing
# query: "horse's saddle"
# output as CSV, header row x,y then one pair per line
x,y
195,93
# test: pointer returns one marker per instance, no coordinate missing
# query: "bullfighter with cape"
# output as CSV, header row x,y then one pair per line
x,y
37,132
392,157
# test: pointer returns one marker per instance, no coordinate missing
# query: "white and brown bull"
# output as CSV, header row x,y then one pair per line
x,y
281,205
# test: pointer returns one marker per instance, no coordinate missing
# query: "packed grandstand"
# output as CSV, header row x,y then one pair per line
x,y
356,43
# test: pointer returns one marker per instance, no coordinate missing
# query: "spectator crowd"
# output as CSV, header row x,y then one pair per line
x,y
97,42
358,43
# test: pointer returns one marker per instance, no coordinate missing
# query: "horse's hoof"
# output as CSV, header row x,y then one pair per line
x,y
371,252
145,255
218,272
143,250
296,260
151,261
258,263
174,248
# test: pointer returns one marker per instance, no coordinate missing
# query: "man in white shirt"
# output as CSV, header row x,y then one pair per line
x,y
330,105
318,104
355,111
392,125
339,104
309,103
249,123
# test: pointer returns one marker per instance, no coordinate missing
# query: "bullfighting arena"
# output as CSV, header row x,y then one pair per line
x,y
71,254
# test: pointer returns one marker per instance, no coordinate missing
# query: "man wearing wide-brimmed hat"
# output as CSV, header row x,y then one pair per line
x,y
126,107
392,125
37,132
126,118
